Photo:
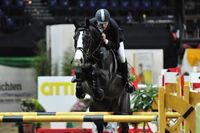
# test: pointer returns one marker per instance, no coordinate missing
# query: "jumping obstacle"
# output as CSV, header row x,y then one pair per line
x,y
165,101
80,118
178,104
185,96
168,114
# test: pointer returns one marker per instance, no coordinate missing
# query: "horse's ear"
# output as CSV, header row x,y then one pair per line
x,y
87,22
75,23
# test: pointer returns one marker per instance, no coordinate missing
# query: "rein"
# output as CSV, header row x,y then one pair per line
x,y
96,49
90,55
86,52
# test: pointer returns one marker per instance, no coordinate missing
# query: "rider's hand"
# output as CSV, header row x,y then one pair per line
x,y
104,38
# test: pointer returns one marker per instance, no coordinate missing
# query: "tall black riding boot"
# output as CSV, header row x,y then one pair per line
x,y
125,73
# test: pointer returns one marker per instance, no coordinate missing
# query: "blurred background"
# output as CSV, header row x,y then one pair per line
x,y
26,32
36,39
148,24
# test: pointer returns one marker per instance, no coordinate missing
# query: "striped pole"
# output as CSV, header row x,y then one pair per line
x,y
168,114
80,118
52,113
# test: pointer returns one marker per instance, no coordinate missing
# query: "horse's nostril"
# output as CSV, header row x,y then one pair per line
x,y
78,62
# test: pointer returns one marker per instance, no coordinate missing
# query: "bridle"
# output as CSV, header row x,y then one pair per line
x,y
86,52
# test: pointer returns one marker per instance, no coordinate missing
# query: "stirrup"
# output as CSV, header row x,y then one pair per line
x,y
129,88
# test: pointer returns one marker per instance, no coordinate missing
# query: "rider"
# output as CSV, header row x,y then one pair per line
x,y
113,38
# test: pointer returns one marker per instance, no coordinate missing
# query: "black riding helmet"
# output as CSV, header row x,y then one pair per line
x,y
102,16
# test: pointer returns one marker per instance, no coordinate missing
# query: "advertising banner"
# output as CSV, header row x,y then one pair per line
x,y
16,84
56,94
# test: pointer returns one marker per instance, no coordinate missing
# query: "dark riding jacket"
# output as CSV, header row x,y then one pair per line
x,y
113,33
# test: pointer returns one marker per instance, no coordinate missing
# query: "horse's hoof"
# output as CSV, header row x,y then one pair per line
x,y
99,94
74,80
80,95
111,127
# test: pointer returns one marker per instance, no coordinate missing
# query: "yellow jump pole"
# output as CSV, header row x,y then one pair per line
x,y
79,118
161,110
168,114
52,113
186,98
178,93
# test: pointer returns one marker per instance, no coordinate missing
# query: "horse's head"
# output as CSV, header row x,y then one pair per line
x,y
84,42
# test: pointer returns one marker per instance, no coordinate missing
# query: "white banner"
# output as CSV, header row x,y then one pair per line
x,y
59,41
152,58
194,77
56,94
15,84
170,77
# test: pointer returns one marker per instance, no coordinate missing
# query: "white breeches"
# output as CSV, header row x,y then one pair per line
x,y
121,52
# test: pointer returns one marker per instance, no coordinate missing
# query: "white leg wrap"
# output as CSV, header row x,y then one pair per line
x,y
121,53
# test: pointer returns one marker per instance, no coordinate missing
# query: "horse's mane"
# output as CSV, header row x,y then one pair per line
x,y
96,35
91,38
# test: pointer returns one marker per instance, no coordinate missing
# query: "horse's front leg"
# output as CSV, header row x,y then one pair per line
x,y
98,92
79,90
99,126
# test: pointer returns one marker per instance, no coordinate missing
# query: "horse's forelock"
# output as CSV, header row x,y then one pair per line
x,y
77,33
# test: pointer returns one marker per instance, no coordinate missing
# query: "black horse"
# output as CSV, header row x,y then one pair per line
x,y
96,70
